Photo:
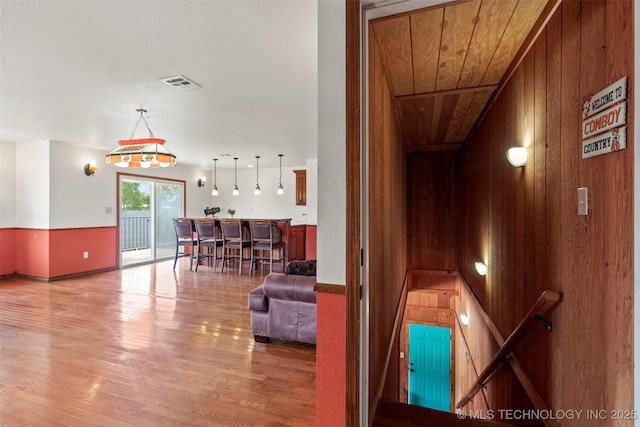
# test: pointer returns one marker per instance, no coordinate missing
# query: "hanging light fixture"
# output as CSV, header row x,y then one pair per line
x,y
280,191
142,152
214,190
257,190
236,191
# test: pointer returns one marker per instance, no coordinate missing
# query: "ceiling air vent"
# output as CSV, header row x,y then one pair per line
x,y
181,83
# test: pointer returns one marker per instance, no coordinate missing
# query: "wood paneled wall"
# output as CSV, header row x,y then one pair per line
x,y
387,227
432,212
523,222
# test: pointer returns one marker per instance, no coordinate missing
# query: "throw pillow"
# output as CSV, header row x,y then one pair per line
x,y
301,268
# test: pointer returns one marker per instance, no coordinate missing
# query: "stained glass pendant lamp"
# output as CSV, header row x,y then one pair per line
x,y
142,152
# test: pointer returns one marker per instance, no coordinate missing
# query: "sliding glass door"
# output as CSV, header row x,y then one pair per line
x,y
147,207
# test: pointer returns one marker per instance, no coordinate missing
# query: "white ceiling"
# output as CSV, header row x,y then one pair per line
x,y
76,71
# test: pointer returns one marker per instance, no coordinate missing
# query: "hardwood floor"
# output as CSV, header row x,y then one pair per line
x,y
146,346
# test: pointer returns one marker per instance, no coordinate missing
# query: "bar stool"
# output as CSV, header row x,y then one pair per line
x,y
265,237
236,237
184,239
209,237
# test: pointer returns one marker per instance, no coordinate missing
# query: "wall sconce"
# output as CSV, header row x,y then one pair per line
x,y
90,168
517,156
464,319
202,181
214,190
236,191
481,268
257,190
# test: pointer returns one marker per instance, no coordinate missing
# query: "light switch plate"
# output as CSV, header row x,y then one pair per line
x,y
583,201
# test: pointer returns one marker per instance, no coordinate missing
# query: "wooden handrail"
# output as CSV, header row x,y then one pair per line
x,y
547,301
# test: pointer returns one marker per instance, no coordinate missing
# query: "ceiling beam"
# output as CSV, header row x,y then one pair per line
x,y
433,148
447,92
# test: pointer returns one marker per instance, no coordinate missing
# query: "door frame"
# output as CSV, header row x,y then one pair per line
x,y
154,179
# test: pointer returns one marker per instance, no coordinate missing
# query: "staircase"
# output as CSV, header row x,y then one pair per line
x,y
396,414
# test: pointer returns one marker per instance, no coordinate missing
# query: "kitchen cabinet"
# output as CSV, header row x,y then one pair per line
x,y
301,187
297,235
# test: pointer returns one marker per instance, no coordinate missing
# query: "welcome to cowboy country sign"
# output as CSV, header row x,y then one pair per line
x,y
604,115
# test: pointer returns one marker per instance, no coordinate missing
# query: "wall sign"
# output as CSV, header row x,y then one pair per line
x,y
604,115
607,142
615,116
605,98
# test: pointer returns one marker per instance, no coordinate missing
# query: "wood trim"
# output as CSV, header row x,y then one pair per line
x,y
329,288
352,40
62,277
61,229
447,92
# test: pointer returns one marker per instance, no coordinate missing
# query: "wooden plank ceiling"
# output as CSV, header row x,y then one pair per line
x,y
443,64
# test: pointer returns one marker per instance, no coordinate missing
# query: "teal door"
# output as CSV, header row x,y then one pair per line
x,y
430,366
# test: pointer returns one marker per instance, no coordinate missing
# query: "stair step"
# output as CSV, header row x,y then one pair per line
x,y
397,414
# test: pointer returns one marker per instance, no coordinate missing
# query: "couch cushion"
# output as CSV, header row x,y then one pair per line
x,y
290,287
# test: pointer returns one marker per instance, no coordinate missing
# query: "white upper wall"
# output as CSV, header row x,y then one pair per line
x,y
32,185
56,193
268,204
7,185
331,143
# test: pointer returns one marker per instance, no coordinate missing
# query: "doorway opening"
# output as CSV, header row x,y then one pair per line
x,y
146,208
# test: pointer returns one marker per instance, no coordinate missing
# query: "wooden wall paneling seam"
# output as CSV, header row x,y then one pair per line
x,y
553,198
352,40
539,145
376,280
590,229
619,167
568,242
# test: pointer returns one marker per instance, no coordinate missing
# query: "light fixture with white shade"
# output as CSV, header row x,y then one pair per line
x,y
236,191
214,190
202,181
257,190
481,268
517,156
280,191
464,319
142,152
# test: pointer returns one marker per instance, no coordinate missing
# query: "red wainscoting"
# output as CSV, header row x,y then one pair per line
x,y
330,359
32,252
310,242
52,253
67,247
7,251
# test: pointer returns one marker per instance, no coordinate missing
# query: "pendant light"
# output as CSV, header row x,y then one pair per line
x,y
280,191
257,190
236,191
142,152
214,191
